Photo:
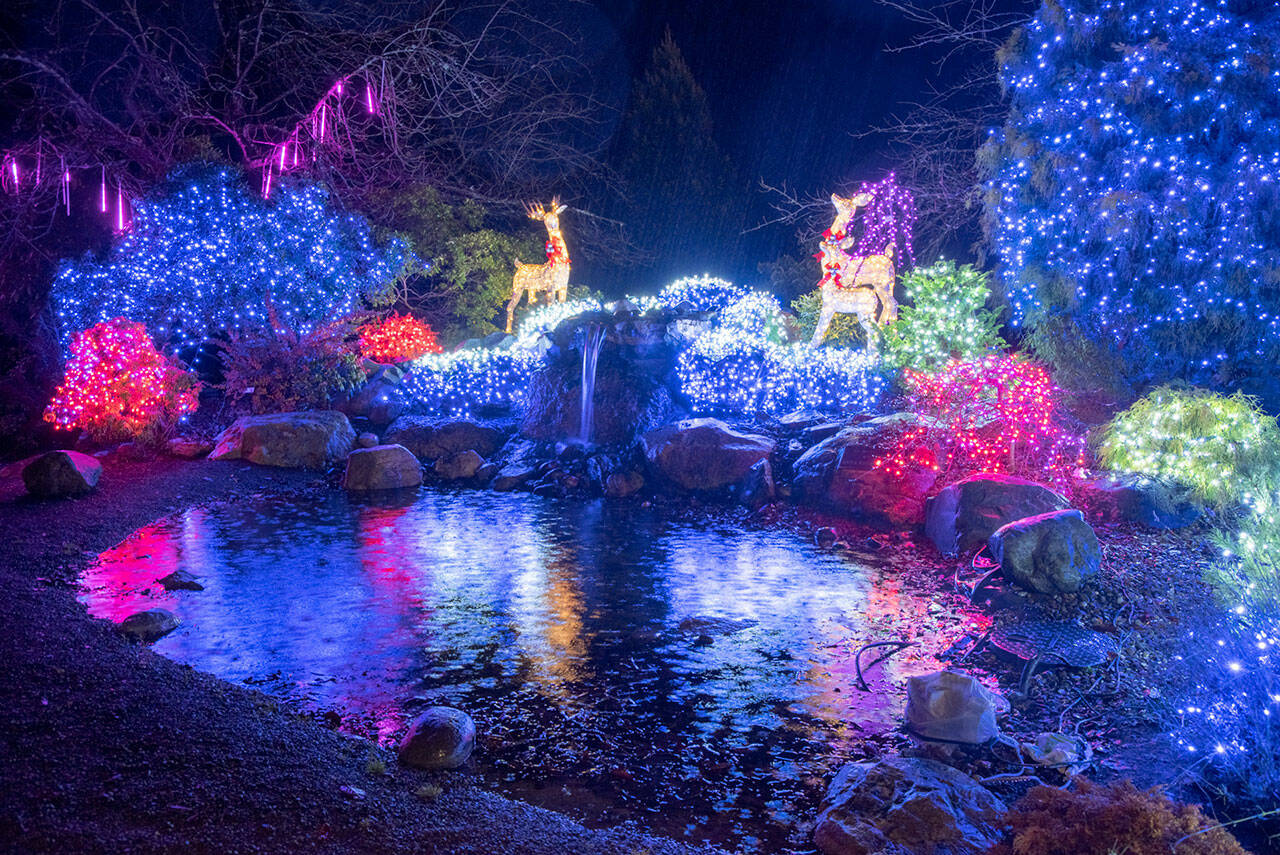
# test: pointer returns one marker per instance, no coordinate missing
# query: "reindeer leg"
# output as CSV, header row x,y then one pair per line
x,y
868,327
511,306
824,321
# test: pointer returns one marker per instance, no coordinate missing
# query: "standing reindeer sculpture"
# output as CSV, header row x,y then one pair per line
x,y
852,284
551,278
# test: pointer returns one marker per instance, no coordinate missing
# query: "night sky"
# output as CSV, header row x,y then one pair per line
x,y
788,84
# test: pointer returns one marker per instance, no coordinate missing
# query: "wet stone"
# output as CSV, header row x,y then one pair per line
x,y
440,738
181,580
149,625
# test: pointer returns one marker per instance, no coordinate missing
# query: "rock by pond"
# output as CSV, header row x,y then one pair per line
x,y
1129,497
430,439
512,476
704,454
149,625
439,738
907,806
180,580
840,473
458,466
964,515
188,447
61,473
382,467
619,485
303,440
1051,553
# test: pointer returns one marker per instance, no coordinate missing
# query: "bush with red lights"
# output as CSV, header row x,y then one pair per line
x,y
398,338
117,386
994,414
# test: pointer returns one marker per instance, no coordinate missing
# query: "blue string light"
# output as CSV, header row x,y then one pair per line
x,y
1135,185
203,258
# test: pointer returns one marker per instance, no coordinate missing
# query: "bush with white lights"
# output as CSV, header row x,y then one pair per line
x,y
1208,442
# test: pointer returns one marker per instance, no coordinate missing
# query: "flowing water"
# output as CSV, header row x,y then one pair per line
x,y
698,677
594,338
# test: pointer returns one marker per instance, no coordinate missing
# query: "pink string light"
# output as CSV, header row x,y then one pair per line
x,y
103,204
120,219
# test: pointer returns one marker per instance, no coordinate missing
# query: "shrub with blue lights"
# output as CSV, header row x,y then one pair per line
x,y
1133,191
743,367
471,382
206,251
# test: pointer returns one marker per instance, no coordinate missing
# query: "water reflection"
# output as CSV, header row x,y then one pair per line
x,y
655,664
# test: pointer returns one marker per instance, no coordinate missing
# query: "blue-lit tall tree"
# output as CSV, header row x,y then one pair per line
x,y
1133,195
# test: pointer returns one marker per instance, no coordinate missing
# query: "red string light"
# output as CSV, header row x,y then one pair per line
x,y
117,385
398,338
995,414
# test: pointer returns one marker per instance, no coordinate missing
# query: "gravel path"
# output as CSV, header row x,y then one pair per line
x,y
108,747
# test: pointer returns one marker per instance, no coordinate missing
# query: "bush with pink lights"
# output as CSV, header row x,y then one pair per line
x,y
994,414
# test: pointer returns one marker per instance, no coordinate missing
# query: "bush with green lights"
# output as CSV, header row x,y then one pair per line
x,y
1206,441
945,318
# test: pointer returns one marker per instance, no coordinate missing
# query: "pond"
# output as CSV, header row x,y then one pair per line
x,y
698,677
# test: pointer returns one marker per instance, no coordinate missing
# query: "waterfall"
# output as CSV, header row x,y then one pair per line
x,y
592,341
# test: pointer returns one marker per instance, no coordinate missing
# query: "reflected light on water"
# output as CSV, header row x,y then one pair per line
x,y
682,643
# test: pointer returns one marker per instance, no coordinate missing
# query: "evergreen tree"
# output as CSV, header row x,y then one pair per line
x,y
1134,192
679,206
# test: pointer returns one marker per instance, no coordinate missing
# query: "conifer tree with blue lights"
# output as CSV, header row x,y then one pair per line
x,y
205,253
1133,194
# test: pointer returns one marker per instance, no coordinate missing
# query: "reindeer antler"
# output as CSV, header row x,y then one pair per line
x,y
536,212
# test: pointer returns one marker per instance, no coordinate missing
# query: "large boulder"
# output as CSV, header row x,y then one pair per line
x,y
61,473
952,707
382,467
906,806
1129,497
430,439
964,514
1051,553
303,440
704,454
440,738
842,473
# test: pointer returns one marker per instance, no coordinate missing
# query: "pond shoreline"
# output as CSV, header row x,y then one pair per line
x,y
111,747
182,760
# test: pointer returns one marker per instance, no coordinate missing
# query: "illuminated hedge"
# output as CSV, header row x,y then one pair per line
x,y
463,383
117,386
1206,441
995,414
206,252
945,318
742,367
398,338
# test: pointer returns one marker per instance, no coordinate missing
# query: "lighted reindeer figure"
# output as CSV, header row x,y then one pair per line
x,y
860,285
855,285
551,278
